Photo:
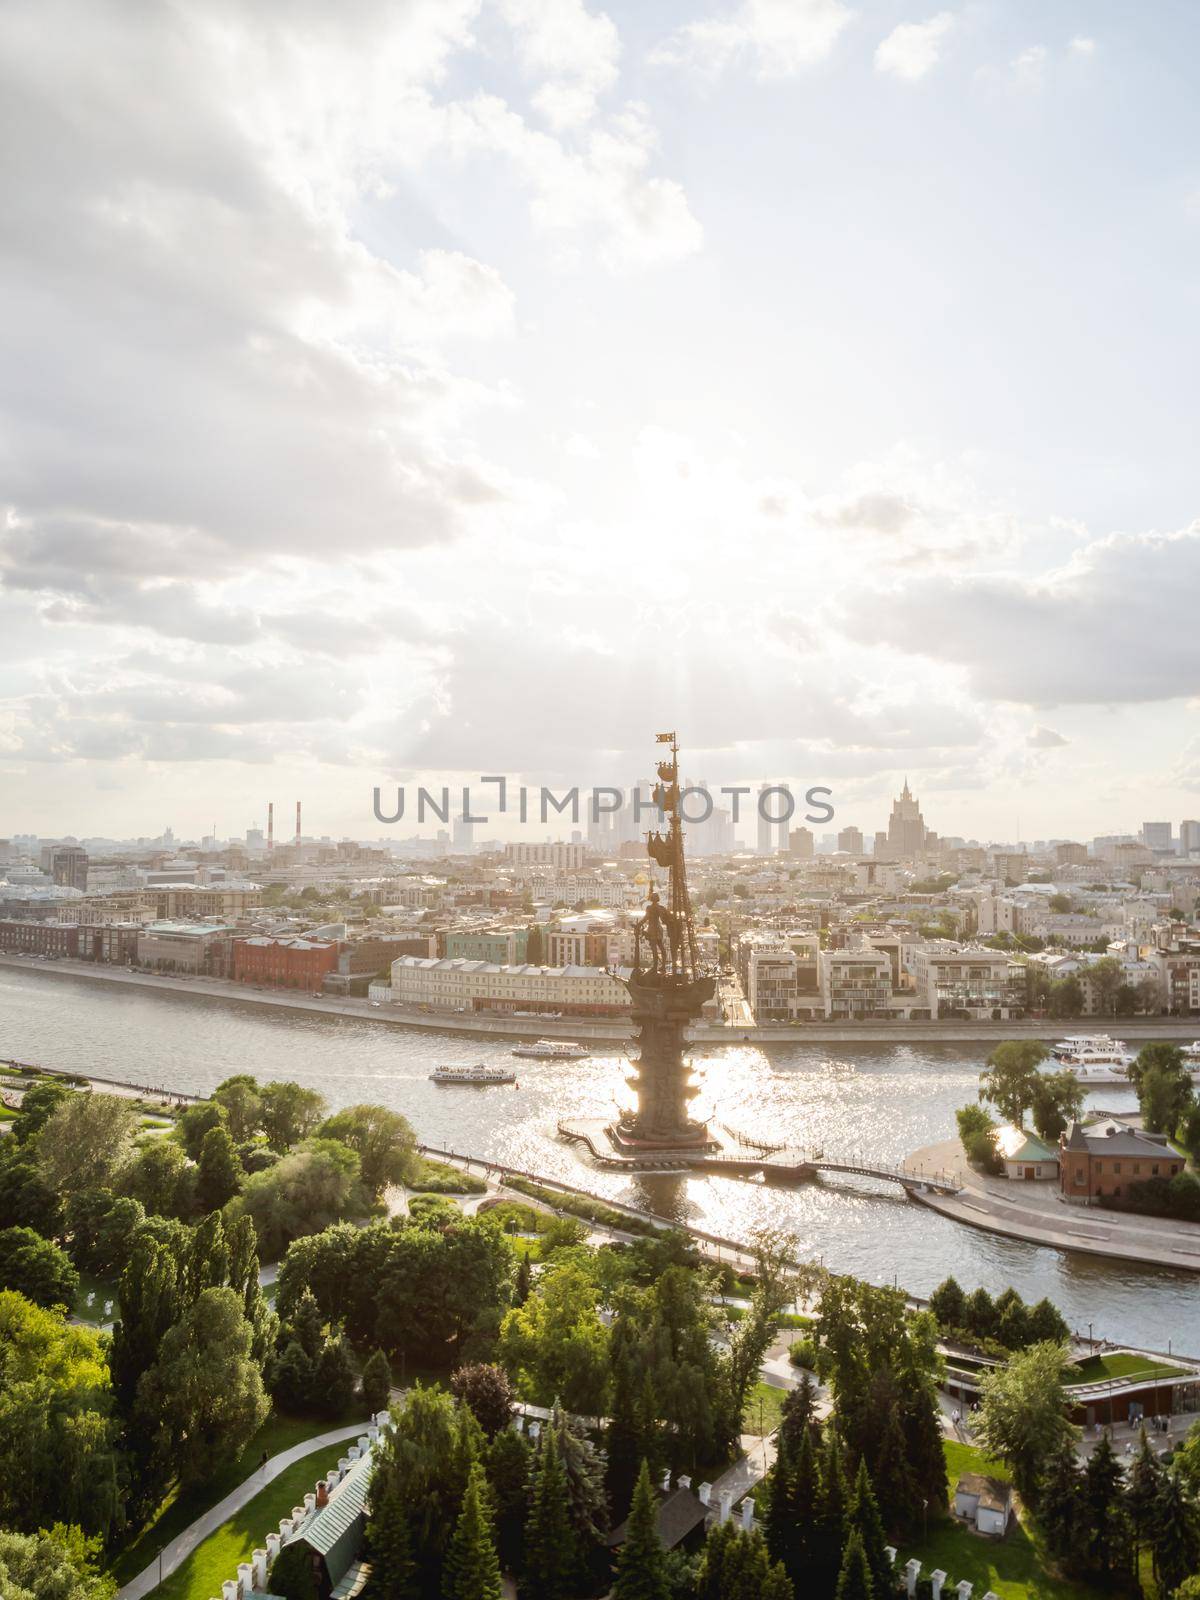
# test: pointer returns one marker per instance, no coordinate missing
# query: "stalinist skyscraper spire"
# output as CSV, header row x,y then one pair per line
x,y
906,826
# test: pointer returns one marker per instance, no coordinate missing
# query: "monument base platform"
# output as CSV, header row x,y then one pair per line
x,y
612,1147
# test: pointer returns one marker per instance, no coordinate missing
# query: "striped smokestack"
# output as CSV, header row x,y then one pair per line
x,y
297,822
270,824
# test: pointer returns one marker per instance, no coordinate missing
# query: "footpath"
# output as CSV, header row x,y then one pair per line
x,y
1033,1212
182,1546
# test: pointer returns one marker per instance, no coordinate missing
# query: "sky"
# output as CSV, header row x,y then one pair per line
x,y
406,391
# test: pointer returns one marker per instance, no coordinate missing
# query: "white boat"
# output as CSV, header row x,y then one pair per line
x,y
552,1050
477,1075
1191,1052
1092,1049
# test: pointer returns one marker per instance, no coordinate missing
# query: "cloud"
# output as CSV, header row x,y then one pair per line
x,y
1041,738
1114,624
1081,46
1029,68
774,38
913,49
574,52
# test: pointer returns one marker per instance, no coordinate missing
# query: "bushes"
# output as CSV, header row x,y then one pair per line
x,y
1177,1197
994,1327
439,1177
582,1205
975,1129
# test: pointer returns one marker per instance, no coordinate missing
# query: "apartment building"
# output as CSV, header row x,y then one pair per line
x,y
967,981
456,985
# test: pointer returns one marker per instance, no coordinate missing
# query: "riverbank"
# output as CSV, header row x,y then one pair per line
x,y
607,1031
1033,1213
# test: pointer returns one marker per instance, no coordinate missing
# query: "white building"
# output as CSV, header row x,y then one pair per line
x,y
458,985
967,980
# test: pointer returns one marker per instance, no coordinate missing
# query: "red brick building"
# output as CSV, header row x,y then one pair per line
x,y
1104,1158
284,963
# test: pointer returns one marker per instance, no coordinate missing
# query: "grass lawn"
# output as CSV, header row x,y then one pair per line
x,y
201,1575
1013,1568
772,1400
1121,1364
102,1291
179,1510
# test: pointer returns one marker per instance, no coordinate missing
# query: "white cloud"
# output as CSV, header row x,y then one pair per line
x,y
1114,624
574,52
1081,46
774,38
1029,68
913,49
1041,738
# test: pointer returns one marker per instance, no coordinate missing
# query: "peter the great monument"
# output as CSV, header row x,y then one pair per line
x,y
668,990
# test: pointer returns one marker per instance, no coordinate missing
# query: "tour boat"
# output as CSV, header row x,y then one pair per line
x,y
1191,1052
1092,1049
479,1074
552,1050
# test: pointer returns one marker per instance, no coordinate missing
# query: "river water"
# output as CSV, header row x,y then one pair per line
x,y
873,1101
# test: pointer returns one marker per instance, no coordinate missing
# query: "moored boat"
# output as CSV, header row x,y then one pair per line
x,y
552,1050
478,1075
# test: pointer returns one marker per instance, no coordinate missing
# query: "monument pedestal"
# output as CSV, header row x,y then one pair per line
x,y
663,1008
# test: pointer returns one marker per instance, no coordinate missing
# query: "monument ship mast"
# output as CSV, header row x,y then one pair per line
x,y
668,993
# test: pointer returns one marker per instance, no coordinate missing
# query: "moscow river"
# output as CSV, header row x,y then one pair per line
x,y
872,1101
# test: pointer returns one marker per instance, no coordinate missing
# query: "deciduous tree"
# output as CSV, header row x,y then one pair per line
x,y
1022,1417
85,1140
36,1268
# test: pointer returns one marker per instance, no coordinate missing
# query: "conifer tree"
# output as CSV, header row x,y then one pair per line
x,y
793,1511
220,1172
1143,1483
862,1517
1060,1504
524,1281
1175,1535
508,1462
835,1498
308,1325
710,1577
641,1573
390,1543
472,1571
777,1585
376,1382
335,1377
149,1305
1105,1518
550,1556
854,1578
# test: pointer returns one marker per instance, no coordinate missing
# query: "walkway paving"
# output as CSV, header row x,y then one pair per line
x,y
1034,1213
181,1547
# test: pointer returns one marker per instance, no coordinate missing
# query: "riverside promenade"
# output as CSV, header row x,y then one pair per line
x,y
1033,1212
609,1030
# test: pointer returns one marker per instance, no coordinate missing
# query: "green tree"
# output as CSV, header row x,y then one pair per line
x,y
84,1141
976,1131
288,1113
486,1391
472,1570
220,1172
641,1574
376,1383
204,1395
1107,977
949,1305
240,1100
1106,1522
1174,1534
1058,1099
58,1458
293,1377
36,1268
835,1499
390,1542
508,1462
26,1201
292,1576
160,1179
314,1186
1141,1493
417,1484
854,1576
1164,1096
793,1510
551,1558
1060,1501
535,953
1010,1077
148,1304
52,1564
383,1141
863,1519
1066,997
335,1377
557,1344
195,1122
1046,1324
1022,1415
38,1103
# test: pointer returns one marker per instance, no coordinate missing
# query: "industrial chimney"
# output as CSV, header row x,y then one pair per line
x,y
270,825
297,822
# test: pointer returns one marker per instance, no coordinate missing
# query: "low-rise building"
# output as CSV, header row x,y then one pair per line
x,y
289,963
967,982
457,985
1103,1158
1026,1158
504,946
199,948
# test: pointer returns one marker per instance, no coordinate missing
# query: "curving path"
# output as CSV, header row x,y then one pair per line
x,y
182,1546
